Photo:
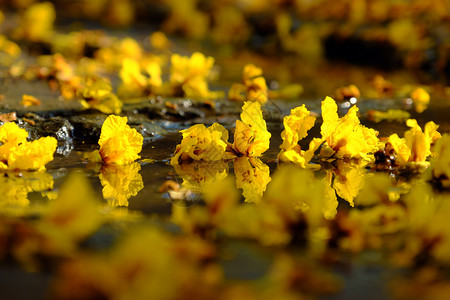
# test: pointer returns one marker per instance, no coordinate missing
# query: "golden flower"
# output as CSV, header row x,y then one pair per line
x,y
254,86
251,137
201,143
120,182
119,144
420,98
296,126
28,100
17,153
346,136
349,179
97,94
159,41
36,23
133,81
390,115
189,75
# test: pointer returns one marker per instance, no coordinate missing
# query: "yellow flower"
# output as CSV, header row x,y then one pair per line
x,y
36,23
420,142
440,164
346,136
119,144
17,153
296,126
133,81
28,100
390,115
201,143
9,47
97,94
254,86
251,137
159,41
120,182
420,98
252,176
189,75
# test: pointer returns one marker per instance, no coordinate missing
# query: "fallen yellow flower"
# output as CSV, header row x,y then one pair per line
x,y
251,137
346,137
17,153
119,144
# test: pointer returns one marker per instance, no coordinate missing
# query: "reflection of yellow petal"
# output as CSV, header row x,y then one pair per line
x,y
120,182
198,174
15,190
252,175
349,180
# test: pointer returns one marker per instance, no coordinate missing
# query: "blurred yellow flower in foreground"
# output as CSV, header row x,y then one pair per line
x,y
120,182
119,144
17,153
346,136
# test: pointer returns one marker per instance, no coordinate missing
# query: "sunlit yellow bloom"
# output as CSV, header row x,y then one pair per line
x,y
254,86
390,115
440,164
189,75
296,127
202,143
133,81
97,94
420,98
17,153
120,182
420,142
252,176
346,136
28,100
36,23
119,144
416,145
251,137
